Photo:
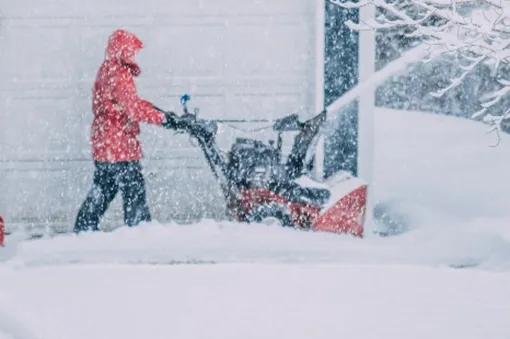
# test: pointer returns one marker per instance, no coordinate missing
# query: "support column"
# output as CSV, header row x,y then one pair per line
x,y
340,75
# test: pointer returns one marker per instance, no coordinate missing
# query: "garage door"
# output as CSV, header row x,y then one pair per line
x,y
237,59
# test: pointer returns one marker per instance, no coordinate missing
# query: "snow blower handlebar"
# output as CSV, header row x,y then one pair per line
x,y
188,122
197,127
207,129
204,131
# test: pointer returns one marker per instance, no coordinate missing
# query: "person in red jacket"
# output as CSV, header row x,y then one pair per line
x,y
118,112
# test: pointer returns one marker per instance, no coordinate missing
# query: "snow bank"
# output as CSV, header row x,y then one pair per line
x,y
209,242
442,165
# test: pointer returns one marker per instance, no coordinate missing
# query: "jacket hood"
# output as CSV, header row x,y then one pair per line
x,y
123,46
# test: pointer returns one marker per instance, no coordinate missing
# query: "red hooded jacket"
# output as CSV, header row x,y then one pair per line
x,y
117,108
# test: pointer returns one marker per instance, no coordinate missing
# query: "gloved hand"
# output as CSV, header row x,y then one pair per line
x,y
170,120
178,123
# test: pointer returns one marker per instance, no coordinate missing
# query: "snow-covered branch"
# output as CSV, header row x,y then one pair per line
x,y
474,32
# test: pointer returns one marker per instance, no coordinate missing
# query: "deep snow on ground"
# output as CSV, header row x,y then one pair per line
x,y
435,174
473,246
255,301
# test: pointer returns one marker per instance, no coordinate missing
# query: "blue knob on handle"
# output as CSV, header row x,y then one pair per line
x,y
185,98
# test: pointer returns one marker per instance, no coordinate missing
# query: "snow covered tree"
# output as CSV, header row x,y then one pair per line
x,y
472,33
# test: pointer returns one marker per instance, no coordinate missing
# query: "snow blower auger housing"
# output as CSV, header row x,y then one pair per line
x,y
258,184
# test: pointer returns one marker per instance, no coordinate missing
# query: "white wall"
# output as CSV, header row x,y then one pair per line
x,y
238,59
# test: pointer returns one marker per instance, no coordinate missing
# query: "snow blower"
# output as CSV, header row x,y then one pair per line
x,y
259,185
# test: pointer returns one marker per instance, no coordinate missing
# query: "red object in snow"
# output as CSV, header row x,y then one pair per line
x,y
2,231
117,108
345,216
302,215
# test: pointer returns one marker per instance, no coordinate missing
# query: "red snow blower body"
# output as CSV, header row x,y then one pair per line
x,y
258,184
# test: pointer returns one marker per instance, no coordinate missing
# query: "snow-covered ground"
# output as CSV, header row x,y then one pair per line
x,y
437,174
259,301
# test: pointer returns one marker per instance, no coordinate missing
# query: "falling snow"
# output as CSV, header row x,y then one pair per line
x,y
434,259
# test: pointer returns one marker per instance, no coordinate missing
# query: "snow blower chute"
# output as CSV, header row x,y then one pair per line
x,y
258,184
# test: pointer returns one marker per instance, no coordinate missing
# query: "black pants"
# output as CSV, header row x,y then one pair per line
x,y
109,178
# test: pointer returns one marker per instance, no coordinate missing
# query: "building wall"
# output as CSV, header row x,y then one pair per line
x,y
236,59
